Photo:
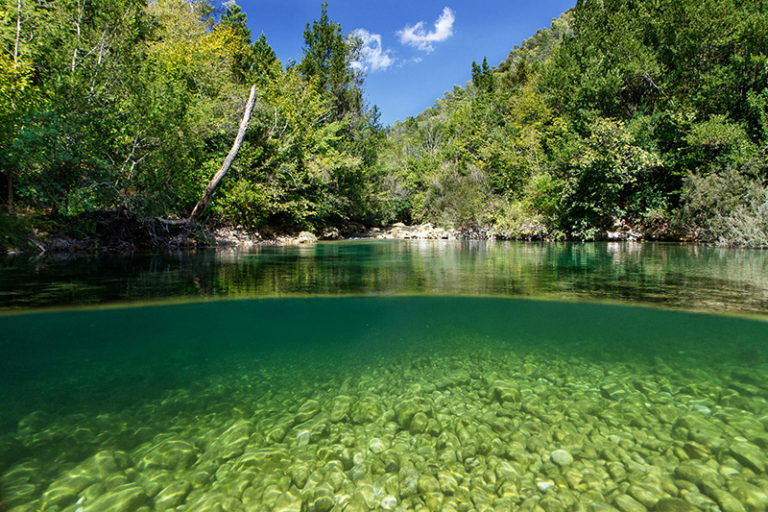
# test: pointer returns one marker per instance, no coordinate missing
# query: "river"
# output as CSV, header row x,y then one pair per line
x,y
387,375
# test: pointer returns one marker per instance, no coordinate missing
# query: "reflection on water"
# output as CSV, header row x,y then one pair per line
x,y
673,275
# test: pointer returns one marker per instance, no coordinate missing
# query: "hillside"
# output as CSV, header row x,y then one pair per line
x,y
620,120
539,47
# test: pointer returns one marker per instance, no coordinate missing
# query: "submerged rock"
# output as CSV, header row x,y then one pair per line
x,y
614,391
699,474
751,496
277,433
502,391
417,409
323,503
173,495
340,408
418,424
389,503
627,503
647,494
561,457
537,435
453,379
673,505
448,483
299,474
409,483
287,502
725,499
64,491
428,484
166,452
376,445
308,410
748,455
366,410
231,443
545,485
126,498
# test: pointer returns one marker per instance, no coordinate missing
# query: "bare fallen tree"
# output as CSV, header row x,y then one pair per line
x,y
199,208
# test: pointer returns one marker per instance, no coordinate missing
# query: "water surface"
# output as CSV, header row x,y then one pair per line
x,y
672,275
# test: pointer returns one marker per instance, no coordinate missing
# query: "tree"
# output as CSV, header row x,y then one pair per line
x,y
199,209
482,78
265,63
327,62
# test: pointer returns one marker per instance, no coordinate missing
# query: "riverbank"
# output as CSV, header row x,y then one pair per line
x,y
120,232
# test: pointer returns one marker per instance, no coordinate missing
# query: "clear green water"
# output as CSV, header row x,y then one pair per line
x,y
436,398
664,274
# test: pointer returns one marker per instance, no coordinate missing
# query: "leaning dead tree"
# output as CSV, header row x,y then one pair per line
x,y
197,212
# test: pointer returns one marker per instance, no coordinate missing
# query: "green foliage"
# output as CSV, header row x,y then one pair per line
x,y
727,208
265,63
298,167
13,232
247,203
539,47
647,114
599,175
615,115
327,61
519,220
134,104
482,78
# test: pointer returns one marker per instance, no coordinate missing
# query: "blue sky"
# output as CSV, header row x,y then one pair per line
x,y
426,47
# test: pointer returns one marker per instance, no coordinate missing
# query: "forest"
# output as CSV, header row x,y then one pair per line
x,y
648,117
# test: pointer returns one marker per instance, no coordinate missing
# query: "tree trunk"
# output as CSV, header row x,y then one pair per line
x,y
10,192
77,24
18,33
197,212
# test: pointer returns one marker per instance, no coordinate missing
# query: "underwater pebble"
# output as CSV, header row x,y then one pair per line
x,y
389,503
494,431
674,505
307,410
748,455
545,485
323,504
173,495
727,502
126,498
561,457
166,452
303,438
627,503
752,496
376,446
340,408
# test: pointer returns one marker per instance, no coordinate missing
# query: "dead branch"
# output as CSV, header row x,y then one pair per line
x,y
197,212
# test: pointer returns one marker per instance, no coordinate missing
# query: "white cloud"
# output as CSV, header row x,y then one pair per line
x,y
413,60
372,55
415,35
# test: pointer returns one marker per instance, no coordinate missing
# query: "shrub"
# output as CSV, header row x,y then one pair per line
x,y
516,221
14,232
727,208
